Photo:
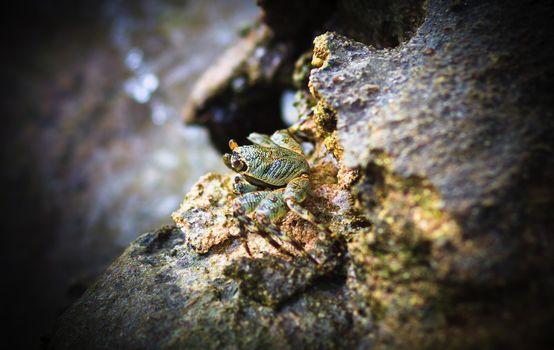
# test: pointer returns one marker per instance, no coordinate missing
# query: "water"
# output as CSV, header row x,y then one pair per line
x,y
102,155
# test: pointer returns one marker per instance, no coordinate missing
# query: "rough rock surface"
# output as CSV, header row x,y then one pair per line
x,y
453,133
432,166
183,290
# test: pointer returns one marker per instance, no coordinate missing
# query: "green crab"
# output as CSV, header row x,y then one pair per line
x,y
273,179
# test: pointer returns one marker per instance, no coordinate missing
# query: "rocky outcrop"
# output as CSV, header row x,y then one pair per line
x,y
432,165
453,135
200,289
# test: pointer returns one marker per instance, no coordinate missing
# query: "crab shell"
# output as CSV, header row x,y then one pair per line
x,y
269,167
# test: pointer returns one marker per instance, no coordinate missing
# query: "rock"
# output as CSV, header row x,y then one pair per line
x,y
204,216
452,131
194,285
432,166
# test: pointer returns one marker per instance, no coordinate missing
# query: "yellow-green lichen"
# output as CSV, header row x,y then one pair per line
x,y
399,261
321,52
326,128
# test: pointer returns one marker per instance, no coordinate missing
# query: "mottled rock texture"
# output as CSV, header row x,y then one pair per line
x,y
175,289
432,166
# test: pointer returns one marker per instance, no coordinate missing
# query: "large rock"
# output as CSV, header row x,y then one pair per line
x,y
453,131
171,289
433,168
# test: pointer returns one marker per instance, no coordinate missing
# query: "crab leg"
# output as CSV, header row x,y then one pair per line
x,y
274,244
273,229
247,222
242,206
282,138
261,139
295,193
271,209
241,186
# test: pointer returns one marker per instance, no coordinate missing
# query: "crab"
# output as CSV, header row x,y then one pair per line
x,y
273,178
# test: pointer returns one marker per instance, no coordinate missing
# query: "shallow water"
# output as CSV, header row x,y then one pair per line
x,y
101,153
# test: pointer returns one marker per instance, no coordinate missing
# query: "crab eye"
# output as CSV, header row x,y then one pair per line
x,y
238,165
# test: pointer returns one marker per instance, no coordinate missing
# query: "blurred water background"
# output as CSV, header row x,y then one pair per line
x,y
94,152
